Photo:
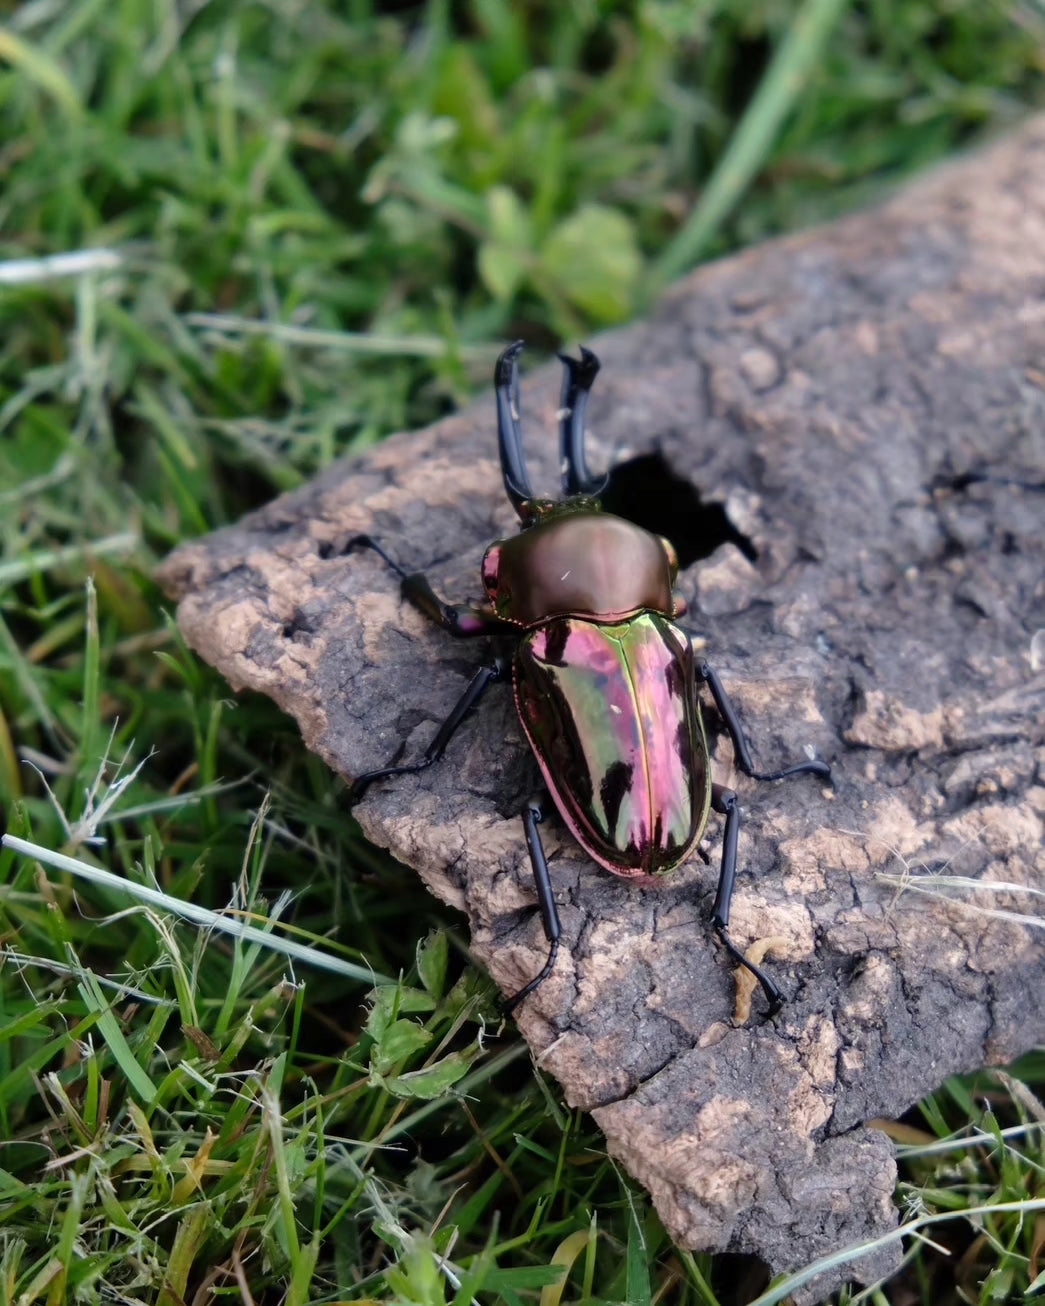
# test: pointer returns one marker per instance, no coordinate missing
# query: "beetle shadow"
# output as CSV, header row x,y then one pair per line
x,y
645,490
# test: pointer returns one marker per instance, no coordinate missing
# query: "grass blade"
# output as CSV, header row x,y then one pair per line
x,y
199,915
751,141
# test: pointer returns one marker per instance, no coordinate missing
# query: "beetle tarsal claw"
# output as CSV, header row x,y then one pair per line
x,y
747,981
508,1005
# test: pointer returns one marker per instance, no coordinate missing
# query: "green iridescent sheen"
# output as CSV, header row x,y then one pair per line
x,y
612,714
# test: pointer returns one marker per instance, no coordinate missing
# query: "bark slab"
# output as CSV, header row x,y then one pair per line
x,y
867,403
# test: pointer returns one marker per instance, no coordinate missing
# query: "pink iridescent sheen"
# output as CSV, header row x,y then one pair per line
x,y
612,715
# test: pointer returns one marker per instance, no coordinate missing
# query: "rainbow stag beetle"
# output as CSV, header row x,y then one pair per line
x,y
580,613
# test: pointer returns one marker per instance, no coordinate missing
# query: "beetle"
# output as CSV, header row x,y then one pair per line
x,y
580,610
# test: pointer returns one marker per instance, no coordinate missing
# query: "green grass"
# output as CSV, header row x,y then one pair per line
x,y
306,226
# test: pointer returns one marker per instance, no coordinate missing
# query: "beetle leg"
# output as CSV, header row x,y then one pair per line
x,y
725,801
474,691
728,714
532,815
460,619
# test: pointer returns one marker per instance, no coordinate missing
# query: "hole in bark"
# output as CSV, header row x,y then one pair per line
x,y
957,482
300,624
646,491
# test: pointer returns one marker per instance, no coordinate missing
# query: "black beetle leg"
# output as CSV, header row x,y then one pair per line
x,y
460,619
741,751
532,815
477,686
725,801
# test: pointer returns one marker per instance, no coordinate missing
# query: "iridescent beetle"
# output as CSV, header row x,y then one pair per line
x,y
580,613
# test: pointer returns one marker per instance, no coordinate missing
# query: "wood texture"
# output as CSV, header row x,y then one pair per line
x,y
867,401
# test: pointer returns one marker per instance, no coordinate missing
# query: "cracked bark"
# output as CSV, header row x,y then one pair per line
x,y
868,403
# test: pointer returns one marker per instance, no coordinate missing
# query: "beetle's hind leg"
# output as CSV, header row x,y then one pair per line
x,y
498,669
741,750
532,815
725,801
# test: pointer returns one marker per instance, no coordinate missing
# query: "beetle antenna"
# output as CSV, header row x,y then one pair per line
x,y
577,378
509,431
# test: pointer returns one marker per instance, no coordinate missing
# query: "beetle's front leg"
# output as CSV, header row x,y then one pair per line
x,y
532,815
498,669
460,619
725,801
729,716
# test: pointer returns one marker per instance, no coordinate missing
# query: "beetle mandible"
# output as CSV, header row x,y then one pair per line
x,y
580,613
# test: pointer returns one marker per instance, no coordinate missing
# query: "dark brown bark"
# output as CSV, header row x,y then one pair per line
x,y
867,403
